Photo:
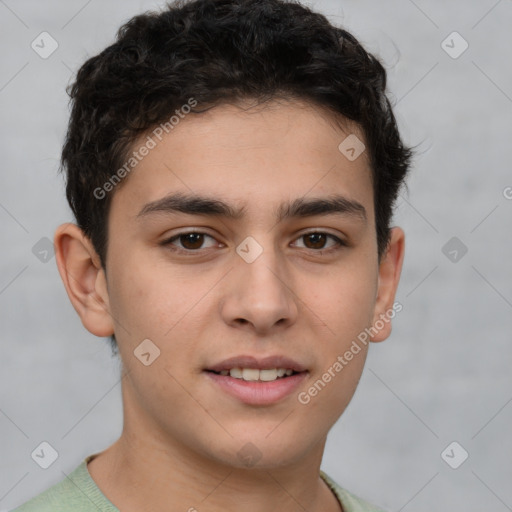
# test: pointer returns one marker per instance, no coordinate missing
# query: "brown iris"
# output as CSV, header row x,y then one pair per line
x,y
318,240
192,240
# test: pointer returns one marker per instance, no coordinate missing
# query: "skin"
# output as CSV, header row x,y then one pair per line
x,y
303,298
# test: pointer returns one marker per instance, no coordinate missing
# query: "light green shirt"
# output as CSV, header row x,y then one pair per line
x,y
79,493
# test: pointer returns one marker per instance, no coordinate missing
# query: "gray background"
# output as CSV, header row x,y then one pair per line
x,y
443,376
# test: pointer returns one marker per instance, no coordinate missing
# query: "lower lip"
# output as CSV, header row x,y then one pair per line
x,y
257,392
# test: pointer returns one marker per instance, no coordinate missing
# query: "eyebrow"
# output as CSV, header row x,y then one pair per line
x,y
194,204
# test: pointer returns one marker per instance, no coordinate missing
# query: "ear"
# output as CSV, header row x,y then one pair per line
x,y
84,279
390,268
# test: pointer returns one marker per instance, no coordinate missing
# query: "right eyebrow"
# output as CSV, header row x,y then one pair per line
x,y
191,204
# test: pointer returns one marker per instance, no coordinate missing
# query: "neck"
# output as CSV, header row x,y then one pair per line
x,y
147,469
136,475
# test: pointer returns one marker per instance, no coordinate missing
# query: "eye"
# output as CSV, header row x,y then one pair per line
x,y
316,240
193,241
190,241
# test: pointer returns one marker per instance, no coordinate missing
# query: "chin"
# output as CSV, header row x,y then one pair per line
x,y
260,451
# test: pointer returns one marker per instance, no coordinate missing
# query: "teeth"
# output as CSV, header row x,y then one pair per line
x,y
250,374
236,373
253,375
268,375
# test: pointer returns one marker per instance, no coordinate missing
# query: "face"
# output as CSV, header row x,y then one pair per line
x,y
242,244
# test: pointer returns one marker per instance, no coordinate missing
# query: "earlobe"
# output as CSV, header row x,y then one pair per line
x,y
83,278
390,269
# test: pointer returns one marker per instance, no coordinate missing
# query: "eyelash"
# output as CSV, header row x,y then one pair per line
x,y
169,242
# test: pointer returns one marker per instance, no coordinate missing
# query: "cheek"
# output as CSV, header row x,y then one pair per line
x,y
166,309
150,301
345,300
344,303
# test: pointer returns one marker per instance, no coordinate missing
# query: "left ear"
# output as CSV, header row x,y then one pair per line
x,y
390,268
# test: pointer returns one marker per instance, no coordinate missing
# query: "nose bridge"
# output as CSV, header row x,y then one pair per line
x,y
260,266
259,292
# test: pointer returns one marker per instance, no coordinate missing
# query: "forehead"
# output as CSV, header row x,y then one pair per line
x,y
255,155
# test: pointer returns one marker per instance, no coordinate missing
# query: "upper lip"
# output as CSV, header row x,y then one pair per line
x,y
266,363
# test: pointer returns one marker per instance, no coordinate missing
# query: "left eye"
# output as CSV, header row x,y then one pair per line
x,y
317,240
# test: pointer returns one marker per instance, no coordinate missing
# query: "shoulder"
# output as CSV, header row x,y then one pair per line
x,y
77,492
349,501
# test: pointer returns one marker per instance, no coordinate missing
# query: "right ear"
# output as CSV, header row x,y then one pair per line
x,y
84,279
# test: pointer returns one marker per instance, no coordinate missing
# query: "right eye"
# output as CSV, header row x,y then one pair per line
x,y
191,241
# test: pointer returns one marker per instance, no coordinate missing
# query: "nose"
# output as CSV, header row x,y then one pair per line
x,y
259,295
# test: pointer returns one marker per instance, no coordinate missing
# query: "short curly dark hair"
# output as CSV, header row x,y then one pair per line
x,y
222,51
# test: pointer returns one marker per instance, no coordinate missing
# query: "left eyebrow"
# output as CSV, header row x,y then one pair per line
x,y
193,204
334,204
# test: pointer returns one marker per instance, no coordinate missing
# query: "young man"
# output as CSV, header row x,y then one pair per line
x,y
232,166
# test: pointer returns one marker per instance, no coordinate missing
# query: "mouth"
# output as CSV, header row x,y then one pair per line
x,y
255,375
257,381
